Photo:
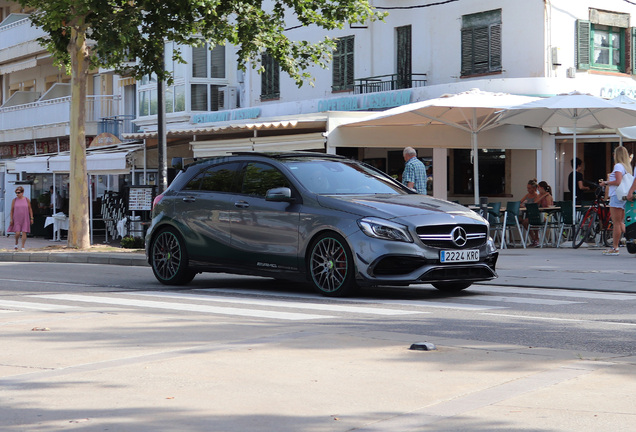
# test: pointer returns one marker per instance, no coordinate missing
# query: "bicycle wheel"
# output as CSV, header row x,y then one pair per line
x,y
608,235
585,230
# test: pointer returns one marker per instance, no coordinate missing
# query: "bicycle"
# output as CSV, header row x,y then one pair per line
x,y
595,222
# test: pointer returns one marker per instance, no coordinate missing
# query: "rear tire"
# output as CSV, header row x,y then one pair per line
x,y
169,258
584,230
452,286
330,265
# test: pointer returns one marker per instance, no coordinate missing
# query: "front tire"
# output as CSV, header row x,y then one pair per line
x,y
451,286
330,264
169,258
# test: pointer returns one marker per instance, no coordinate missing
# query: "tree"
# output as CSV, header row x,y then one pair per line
x,y
84,34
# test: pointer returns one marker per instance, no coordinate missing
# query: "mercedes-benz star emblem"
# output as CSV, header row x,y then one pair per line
x,y
458,234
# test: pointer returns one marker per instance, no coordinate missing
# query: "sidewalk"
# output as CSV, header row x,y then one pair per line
x,y
583,268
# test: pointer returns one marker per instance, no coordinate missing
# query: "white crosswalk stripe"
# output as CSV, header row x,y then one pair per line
x,y
309,306
19,305
425,303
284,304
182,307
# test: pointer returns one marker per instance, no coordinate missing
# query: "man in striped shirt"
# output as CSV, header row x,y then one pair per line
x,y
414,175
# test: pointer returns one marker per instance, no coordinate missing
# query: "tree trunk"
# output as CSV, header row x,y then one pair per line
x,y
78,231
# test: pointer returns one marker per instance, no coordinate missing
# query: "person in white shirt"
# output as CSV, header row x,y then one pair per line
x,y
617,207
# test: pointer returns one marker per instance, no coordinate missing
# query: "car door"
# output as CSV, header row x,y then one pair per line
x,y
264,233
202,207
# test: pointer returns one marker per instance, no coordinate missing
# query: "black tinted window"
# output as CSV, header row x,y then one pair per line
x,y
219,178
259,178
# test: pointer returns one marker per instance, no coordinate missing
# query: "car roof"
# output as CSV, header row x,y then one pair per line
x,y
266,155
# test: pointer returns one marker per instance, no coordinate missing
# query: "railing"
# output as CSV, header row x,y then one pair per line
x,y
117,125
382,83
55,111
19,32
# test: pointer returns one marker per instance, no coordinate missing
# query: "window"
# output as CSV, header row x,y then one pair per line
x,y
270,79
403,57
259,178
601,47
204,97
343,72
208,63
481,43
492,172
219,178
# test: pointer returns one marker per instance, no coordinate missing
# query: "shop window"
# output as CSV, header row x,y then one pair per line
x,y
270,78
343,67
492,172
481,43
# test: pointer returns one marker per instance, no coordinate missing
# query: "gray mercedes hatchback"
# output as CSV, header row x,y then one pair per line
x,y
334,222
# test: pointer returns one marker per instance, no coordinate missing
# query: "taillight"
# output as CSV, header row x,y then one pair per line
x,y
157,200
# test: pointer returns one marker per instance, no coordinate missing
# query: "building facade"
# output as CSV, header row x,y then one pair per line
x,y
421,51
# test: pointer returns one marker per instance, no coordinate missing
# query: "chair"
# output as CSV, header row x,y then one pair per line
x,y
494,218
510,221
567,221
534,222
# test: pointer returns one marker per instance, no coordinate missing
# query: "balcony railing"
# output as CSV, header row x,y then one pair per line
x,y
117,125
55,111
19,32
382,83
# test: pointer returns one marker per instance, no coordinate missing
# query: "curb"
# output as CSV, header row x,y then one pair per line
x,y
121,259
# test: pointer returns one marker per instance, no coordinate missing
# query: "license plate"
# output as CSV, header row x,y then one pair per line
x,y
447,256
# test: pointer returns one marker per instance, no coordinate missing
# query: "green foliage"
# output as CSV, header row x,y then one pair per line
x,y
120,30
130,242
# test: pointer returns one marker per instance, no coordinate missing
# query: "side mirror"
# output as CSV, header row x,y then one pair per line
x,y
281,194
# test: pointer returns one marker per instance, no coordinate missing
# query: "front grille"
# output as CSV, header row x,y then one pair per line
x,y
445,274
439,236
398,265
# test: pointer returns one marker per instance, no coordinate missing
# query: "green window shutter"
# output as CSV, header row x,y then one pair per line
x,y
270,78
495,47
467,51
349,63
343,66
404,55
583,35
632,49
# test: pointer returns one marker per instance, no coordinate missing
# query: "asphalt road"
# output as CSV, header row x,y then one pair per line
x,y
99,347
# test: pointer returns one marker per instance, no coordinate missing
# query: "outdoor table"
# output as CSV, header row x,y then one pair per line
x,y
60,222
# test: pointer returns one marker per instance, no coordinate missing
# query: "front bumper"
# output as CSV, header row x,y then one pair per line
x,y
381,262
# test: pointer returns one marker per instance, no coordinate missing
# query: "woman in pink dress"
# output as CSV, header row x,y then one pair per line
x,y
21,216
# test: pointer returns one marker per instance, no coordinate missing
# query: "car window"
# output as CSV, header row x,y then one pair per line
x,y
342,177
258,178
218,178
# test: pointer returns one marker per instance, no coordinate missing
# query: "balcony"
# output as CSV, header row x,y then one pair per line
x,y
17,32
51,118
382,83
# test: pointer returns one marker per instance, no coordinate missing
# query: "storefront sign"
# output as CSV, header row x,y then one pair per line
x,y
230,115
104,139
366,102
612,92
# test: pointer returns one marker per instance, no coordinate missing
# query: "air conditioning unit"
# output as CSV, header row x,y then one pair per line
x,y
228,98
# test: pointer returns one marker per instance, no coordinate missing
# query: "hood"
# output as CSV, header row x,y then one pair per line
x,y
392,206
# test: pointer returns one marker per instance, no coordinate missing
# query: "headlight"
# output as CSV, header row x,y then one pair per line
x,y
491,245
384,229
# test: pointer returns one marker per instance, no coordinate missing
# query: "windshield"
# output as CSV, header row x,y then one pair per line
x,y
330,177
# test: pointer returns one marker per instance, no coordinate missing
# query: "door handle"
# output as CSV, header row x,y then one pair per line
x,y
241,204
189,199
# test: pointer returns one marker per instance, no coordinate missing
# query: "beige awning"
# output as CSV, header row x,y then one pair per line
x,y
313,141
